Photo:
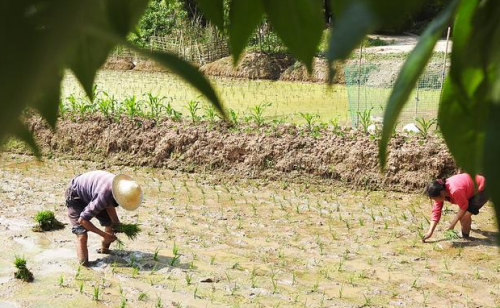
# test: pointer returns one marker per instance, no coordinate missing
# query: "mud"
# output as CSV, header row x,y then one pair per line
x,y
284,152
254,243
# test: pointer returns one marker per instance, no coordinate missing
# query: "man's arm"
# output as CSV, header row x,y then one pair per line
x,y
92,228
113,215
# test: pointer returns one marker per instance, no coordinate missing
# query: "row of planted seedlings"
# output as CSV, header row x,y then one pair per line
x,y
312,256
272,269
154,107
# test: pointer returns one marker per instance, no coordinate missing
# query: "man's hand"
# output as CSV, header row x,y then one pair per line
x,y
109,238
426,237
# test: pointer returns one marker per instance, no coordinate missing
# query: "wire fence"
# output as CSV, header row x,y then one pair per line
x,y
369,82
369,79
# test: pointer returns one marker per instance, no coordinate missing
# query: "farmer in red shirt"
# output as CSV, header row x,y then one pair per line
x,y
461,190
97,194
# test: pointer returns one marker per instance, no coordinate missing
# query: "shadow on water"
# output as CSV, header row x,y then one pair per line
x,y
144,261
490,239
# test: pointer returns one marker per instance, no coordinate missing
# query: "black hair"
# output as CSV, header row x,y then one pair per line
x,y
435,188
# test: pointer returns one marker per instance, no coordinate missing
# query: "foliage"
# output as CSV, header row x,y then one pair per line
x,y
22,272
46,221
161,18
257,113
451,235
424,126
130,230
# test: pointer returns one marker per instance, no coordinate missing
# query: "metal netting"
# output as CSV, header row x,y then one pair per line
x,y
370,80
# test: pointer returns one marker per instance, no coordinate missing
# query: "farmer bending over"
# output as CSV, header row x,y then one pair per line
x,y
458,189
96,194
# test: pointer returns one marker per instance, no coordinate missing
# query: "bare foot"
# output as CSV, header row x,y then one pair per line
x,y
103,250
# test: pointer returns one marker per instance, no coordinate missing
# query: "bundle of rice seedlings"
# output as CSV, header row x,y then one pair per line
x,y
47,221
451,235
22,273
130,230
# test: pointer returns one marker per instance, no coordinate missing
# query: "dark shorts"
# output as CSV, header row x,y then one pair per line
x,y
75,207
477,201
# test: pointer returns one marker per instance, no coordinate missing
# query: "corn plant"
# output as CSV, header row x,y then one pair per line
x,y
132,106
257,113
365,119
211,114
193,107
172,113
309,118
424,126
22,272
106,105
155,106
233,115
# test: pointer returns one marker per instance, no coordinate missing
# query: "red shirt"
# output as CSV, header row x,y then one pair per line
x,y
461,188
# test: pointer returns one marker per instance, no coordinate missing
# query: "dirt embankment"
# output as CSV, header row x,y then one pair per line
x,y
281,153
251,66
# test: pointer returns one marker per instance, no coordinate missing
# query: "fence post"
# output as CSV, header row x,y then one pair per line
x,y
359,83
445,62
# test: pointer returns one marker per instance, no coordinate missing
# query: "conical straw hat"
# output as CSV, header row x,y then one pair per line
x,y
126,192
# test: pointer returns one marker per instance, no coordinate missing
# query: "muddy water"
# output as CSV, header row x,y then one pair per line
x,y
244,244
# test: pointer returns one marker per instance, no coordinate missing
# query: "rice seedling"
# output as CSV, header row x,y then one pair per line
x,y
135,271
368,301
158,303
60,280
130,230
22,272
451,235
142,296
253,278
96,292
80,287
189,278
155,254
46,221
212,260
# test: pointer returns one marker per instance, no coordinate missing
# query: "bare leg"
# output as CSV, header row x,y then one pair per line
x,y
104,245
81,249
466,222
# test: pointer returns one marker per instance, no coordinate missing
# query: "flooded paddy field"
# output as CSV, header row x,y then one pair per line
x,y
210,242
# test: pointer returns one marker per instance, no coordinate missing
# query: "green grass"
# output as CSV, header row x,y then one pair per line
x,y
22,272
46,221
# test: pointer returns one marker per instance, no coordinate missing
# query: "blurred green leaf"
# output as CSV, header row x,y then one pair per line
x,y
351,27
34,41
188,72
491,155
24,134
213,11
411,71
118,16
299,24
48,101
462,96
244,17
